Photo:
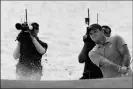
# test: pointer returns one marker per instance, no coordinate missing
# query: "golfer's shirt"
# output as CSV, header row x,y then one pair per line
x,y
109,50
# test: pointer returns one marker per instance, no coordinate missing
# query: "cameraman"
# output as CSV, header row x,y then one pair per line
x,y
29,50
91,71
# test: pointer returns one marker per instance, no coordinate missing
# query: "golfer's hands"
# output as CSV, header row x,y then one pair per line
x,y
124,70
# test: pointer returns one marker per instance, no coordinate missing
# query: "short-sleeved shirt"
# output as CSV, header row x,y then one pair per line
x,y
109,50
30,55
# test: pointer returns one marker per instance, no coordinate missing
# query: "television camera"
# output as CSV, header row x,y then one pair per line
x,y
26,30
87,21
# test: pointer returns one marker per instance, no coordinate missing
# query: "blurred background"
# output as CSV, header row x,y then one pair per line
x,y
62,26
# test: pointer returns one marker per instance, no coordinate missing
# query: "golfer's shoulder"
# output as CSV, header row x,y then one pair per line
x,y
95,49
115,36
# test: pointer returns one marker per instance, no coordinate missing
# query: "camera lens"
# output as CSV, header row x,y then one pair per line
x,y
18,26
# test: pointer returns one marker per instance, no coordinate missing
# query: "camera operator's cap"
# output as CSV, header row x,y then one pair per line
x,y
93,27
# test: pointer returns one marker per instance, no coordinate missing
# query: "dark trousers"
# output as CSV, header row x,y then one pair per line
x,y
92,75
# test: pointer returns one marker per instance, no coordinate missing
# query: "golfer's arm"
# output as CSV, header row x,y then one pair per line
x,y
123,49
102,61
126,55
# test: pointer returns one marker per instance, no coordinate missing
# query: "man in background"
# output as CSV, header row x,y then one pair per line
x,y
91,71
107,30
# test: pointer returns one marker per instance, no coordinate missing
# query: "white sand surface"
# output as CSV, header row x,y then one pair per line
x,y
123,82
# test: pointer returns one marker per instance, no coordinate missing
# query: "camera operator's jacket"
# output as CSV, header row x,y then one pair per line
x,y
29,55
89,66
